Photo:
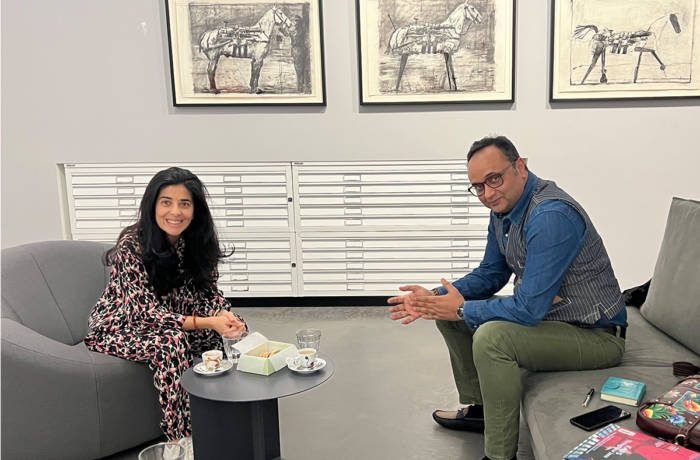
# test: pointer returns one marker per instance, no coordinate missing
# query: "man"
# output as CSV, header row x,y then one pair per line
x,y
566,312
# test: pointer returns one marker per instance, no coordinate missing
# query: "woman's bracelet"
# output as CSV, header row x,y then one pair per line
x,y
194,320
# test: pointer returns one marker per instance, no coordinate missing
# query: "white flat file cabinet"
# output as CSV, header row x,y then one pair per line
x,y
385,196
308,228
376,263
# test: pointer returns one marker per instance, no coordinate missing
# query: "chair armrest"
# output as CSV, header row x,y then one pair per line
x,y
26,342
49,397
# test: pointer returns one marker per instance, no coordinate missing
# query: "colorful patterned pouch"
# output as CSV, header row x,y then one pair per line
x,y
675,414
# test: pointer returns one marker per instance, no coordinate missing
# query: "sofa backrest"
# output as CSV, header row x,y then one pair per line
x,y
51,286
673,302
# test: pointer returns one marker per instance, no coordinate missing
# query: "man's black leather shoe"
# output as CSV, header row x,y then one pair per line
x,y
469,418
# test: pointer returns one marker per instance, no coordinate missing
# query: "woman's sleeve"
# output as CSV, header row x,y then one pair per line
x,y
213,300
210,301
138,297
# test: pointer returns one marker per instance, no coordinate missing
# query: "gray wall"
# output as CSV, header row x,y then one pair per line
x,y
88,81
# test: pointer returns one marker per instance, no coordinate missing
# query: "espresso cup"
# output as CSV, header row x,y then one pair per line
x,y
306,358
212,359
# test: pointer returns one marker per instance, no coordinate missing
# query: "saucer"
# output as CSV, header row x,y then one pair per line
x,y
319,364
202,370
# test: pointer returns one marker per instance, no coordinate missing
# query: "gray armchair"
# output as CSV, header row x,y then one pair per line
x,y
60,400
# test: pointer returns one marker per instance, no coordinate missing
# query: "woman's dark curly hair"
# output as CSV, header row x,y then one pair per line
x,y
202,251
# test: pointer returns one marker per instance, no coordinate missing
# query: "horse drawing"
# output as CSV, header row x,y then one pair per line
x,y
246,42
440,38
620,42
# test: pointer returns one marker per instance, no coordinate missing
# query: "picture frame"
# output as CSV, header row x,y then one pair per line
x,y
626,49
435,51
246,52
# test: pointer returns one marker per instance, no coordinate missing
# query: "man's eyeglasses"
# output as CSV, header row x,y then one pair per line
x,y
494,180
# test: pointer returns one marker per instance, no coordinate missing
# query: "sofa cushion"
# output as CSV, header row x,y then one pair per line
x,y
648,346
673,302
552,398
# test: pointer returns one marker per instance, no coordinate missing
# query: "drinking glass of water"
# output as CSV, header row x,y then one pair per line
x,y
230,340
309,338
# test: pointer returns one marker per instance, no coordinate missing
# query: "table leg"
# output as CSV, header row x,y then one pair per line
x,y
243,430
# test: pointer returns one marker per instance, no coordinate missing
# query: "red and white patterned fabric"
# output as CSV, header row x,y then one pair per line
x,y
132,322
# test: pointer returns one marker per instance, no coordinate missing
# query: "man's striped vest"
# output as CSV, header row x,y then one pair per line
x,y
589,290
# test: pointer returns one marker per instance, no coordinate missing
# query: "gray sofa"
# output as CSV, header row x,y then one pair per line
x,y
664,330
60,400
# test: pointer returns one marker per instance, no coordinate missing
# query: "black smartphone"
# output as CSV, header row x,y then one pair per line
x,y
600,417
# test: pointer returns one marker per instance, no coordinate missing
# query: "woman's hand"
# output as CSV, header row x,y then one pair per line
x,y
226,323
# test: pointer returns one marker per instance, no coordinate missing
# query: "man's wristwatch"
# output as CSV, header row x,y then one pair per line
x,y
460,312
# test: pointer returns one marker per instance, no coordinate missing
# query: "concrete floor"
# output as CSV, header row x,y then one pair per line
x,y
377,406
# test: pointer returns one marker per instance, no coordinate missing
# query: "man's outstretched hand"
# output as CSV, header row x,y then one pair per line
x,y
403,308
439,306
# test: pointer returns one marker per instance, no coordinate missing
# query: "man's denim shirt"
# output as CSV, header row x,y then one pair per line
x,y
554,233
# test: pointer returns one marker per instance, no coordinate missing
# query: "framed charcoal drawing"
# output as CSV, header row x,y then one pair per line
x,y
624,49
246,52
435,51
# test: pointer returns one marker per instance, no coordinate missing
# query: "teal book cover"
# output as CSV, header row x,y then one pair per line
x,y
623,391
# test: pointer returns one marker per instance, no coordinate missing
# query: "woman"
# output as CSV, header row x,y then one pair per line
x,y
161,305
